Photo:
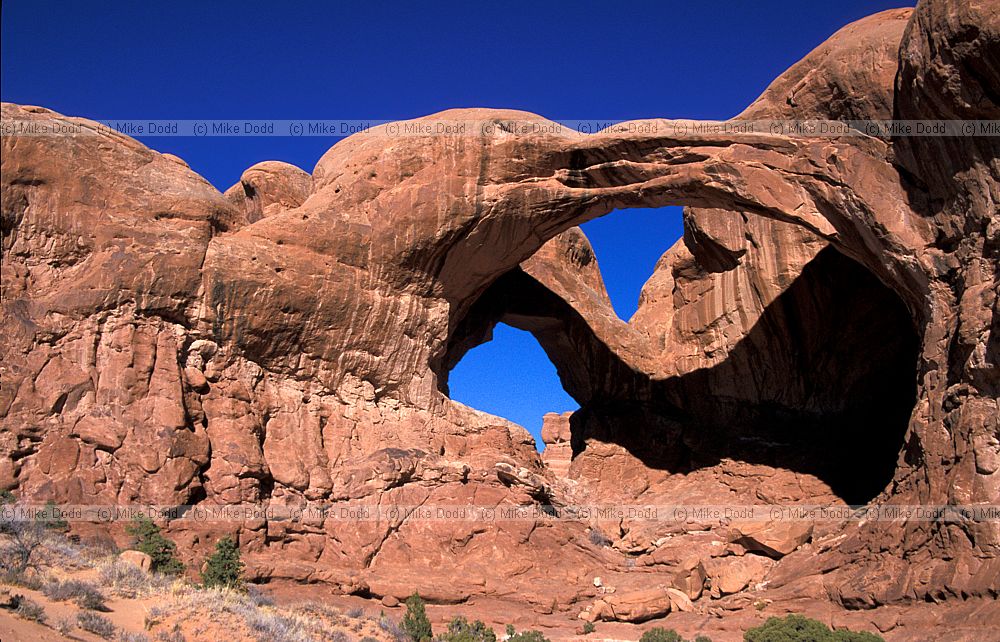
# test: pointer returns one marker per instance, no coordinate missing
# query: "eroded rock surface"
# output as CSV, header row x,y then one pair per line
x,y
289,343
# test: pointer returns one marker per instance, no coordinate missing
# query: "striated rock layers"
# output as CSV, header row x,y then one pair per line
x,y
826,332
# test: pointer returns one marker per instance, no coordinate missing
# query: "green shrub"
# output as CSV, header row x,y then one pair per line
x,y
224,567
589,628
797,628
148,539
525,636
460,630
660,634
415,622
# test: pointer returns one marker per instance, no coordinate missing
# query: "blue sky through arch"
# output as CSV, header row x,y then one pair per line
x,y
511,375
628,243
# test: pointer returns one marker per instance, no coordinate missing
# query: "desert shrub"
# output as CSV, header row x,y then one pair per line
x,y
355,613
65,626
148,538
797,628
392,628
318,611
84,594
415,621
258,597
597,538
28,609
660,634
224,568
173,635
61,552
525,636
588,628
127,636
461,630
268,626
96,624
127,579
703,638
25,537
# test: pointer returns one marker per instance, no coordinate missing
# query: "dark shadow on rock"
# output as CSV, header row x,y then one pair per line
x,y
824,383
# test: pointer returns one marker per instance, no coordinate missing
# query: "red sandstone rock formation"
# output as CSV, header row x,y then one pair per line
x,y
290,342
558,453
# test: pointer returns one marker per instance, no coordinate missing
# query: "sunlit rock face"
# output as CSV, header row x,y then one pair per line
x,y
826,331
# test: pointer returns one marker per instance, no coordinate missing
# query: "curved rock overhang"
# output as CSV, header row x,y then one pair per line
x,y
823,382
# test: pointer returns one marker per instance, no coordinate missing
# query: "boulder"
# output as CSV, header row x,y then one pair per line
x,y
137,558
774,539
690,578
636,606
679,601
734,574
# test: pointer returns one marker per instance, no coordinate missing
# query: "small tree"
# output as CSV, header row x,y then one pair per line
x,y
415,622
461,630
224,568
794,628
148,539
660,634
25,536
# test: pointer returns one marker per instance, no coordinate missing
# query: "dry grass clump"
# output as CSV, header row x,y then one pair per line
x,y
84,594
29,609
49,562
129,581
262,620
96,624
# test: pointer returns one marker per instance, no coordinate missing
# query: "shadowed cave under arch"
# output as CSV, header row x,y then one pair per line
x,y
824,383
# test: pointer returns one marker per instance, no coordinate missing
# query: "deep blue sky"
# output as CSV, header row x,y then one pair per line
x,y
364,60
